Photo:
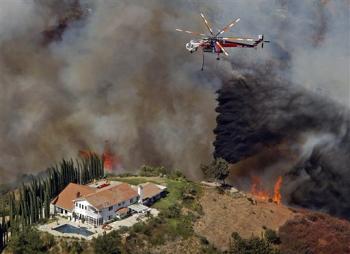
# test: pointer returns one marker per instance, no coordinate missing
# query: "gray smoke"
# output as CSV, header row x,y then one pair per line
x,y
120,72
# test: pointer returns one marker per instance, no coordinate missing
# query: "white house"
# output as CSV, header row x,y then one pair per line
x,y
63,204
101,206
98,206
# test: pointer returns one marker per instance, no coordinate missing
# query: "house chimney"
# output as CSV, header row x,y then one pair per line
x,y
78,194
140,192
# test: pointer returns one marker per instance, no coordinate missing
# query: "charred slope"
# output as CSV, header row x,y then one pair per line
x,y
258,113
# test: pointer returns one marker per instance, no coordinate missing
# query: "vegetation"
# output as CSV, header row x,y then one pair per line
x,y
168,226
153,171
75,247
217,169
254,245
315,233
272,237
30,203
108,243
28,241
131,180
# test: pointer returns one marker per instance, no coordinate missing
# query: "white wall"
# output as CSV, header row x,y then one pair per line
x,y
105,212
85,209
59,211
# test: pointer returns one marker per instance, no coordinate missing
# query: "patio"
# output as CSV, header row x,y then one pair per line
x,y
127,222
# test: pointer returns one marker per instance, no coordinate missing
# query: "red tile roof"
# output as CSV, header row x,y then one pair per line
x,y
150,190
72,191
107,197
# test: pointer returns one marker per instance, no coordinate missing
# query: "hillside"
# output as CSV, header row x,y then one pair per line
x,y
195,218
225,214
215,215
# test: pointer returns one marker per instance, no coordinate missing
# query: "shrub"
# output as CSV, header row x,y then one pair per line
x,y
254,245
48,240
272,237
76,248
27,240
173,211
107,243
139,227
152,171
217,169
176,174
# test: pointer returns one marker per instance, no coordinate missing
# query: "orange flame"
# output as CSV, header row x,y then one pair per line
x,y
111,161
257,189
277,197
259,192
108,162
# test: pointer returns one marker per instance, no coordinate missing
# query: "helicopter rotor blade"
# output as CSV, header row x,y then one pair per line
x,y
190,32
222,48
207,24
233,23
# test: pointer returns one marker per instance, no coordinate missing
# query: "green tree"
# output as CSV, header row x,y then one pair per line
x,y
217,169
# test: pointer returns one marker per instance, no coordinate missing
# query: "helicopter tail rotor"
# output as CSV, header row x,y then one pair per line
x,y
263,41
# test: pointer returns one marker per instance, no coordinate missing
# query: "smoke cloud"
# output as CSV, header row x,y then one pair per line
x,y
74,74
287,112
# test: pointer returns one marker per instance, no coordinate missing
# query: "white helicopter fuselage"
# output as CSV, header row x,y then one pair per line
x,y
193,45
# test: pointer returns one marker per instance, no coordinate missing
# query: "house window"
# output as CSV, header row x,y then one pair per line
x,y
110,208
79,205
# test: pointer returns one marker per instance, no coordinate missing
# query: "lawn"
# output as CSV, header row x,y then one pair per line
x,y
175,188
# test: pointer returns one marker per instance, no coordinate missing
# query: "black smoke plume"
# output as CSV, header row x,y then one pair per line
x,y
289,114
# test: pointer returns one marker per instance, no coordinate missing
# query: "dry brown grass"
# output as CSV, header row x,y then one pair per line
x,y
224,214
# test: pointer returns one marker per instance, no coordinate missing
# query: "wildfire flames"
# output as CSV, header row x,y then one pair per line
x,y
110,161
258,191
277,197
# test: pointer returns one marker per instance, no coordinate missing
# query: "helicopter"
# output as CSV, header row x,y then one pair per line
x,y
216,43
